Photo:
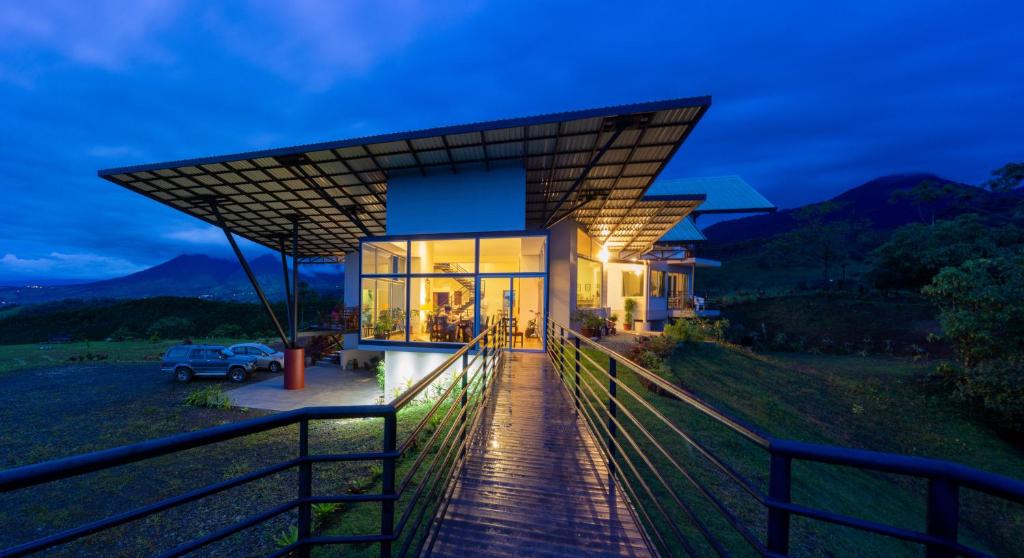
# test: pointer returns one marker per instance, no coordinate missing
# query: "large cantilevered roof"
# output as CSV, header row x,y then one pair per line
x,y
593,165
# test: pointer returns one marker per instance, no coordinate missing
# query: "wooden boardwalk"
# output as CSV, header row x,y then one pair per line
x,y
535,483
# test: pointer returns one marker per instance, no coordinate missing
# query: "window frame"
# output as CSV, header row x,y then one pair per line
x,y
657,289
475,275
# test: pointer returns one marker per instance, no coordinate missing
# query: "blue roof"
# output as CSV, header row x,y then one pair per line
x,y
725,194
684,231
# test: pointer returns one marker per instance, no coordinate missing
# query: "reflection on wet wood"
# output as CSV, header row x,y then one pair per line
x,y
535,483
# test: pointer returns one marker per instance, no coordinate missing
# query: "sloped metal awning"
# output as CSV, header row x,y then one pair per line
x,y
594,165
725,194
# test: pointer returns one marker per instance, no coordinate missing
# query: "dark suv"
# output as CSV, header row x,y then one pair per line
x,y
187,361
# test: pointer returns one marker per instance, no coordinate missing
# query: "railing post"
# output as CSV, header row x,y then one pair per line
x,y
387,511
943,516
465,400
576,342
779,488
482,347
305,489
613,409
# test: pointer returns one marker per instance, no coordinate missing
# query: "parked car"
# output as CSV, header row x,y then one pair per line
x,y
188,361
266,358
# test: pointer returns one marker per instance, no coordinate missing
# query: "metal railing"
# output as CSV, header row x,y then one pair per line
x,y
612,411
427,459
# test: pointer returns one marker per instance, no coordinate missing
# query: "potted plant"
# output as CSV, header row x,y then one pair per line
x,y
613,321
630,312
589,322
382,329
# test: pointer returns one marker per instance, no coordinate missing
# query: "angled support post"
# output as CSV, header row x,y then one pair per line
x,y
779,487
295,356
287,289
248,272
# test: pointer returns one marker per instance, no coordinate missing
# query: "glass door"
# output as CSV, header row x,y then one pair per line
x,y
516,304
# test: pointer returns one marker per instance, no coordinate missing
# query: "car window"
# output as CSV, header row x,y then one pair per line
x,y
240,350
211,354
176,353
196,354
224,352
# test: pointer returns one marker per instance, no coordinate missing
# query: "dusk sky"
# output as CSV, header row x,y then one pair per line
x,y
808,99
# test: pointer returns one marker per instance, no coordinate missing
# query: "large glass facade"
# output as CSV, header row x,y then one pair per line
x,y
426,290
589,274
523,254
382,305
443,256
442,309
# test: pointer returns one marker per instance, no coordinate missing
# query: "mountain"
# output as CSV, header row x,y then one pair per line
x,y
190,275
871,201
755,258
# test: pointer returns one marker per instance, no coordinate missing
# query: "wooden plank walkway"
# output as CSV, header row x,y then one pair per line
x,y
535,483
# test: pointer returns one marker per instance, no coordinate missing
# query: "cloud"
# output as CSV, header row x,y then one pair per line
x,y
59,265
204,235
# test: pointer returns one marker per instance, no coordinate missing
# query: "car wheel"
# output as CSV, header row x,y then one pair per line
x,y
183,374
275,366
237,374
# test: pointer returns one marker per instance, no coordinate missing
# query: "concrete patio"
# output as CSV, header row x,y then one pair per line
x,y
325,385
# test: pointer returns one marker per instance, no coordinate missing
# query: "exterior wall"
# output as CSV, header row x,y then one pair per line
x,y
474,202
562,271
614,300
404,368
657,306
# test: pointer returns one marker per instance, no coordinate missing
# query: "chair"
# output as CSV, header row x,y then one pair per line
x,y
516,333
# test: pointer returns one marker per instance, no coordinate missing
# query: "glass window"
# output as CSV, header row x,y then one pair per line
x,y
525,254
442,309
384,258
382,303
443,256
588,283
657,283
633,282
196,354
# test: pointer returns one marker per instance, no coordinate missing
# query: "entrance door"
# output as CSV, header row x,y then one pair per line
x,y
516,304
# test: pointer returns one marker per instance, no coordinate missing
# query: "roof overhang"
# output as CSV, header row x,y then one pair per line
x,y
593,165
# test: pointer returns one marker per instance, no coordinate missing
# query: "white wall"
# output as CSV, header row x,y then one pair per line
x,y
470,201
403,367
613,289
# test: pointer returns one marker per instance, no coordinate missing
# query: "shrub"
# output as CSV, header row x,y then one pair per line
x,y
170,327
380,374
211,397
998,386
685,331
287,537
230,331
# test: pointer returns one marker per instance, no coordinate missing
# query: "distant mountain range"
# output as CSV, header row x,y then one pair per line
x,y
871,201
186,275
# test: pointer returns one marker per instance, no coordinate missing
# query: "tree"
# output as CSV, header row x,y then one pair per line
x,y
915,253
981,311
926,197
1006,178
820,238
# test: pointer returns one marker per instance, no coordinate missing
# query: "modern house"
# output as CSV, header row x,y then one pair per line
x,y
447,231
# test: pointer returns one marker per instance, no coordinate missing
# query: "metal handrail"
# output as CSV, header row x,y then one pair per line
x,y
609,425
473,377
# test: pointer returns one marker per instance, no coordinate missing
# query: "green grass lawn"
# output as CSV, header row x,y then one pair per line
x,y
877,403
36,355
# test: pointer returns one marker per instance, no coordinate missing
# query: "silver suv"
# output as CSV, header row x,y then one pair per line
x,y
266,358
188,361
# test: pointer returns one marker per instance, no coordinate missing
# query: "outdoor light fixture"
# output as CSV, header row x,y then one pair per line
x,y
603,255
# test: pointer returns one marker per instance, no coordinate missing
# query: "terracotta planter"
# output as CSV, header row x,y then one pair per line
x,y
294,368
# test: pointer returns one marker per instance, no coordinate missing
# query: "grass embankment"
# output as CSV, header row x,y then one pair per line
x,y
877,403
36,355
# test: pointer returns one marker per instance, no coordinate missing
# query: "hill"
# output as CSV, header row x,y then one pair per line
x,y
190,275
762,253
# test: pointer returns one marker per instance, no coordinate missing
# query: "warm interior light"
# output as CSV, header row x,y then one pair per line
x,y
603,255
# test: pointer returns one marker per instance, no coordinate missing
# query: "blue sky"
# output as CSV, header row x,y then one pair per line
x,y
809,99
